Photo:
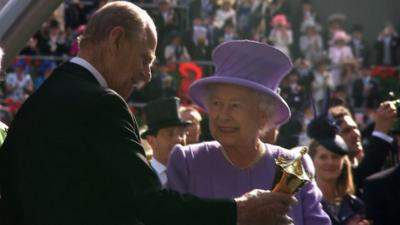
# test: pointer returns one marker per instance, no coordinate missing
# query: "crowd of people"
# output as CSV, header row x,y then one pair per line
x,y
213,132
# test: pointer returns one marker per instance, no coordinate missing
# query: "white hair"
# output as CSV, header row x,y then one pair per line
x,y
266,104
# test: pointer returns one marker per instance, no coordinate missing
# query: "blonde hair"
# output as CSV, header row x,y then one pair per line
x,y
344,183
130,17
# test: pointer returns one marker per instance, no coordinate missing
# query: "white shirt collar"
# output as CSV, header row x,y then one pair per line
x,y
157,166
161,171
80,61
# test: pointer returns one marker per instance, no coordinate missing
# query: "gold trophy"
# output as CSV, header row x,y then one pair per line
x,y
290,175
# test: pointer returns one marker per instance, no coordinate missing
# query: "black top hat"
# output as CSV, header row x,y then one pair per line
x,y
162,113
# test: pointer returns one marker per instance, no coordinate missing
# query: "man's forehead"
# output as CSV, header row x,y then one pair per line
x,y
172,129
348,122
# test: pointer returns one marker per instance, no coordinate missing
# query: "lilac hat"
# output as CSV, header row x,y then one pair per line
x,y
250,64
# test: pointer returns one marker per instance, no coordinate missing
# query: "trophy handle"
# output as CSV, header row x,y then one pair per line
x,y
290,175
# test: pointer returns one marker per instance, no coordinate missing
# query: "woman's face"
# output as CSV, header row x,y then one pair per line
x,y
328,165
235,117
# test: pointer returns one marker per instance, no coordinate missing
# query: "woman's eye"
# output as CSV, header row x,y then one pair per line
x,y
215,103
235,105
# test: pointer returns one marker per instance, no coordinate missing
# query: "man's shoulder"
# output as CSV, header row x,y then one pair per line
x,y
385,175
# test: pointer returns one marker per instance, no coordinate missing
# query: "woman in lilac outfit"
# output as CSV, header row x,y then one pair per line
x,y
241,100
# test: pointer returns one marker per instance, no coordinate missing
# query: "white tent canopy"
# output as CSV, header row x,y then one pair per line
x,y
20,19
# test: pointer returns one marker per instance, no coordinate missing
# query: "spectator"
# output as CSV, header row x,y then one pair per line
x,y
335,23
366,91
54,42
19,84
199,32
229,33
349,72
309,16
189,113
243,12
32,47
176,51
339,51
311,44
281,36
165,130
167,22
293,92
303,68
387,47
258,32
225,14
333,173
359,46
189,72
368,158
322,80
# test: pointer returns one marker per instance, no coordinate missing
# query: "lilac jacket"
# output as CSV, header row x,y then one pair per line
x,y
202,170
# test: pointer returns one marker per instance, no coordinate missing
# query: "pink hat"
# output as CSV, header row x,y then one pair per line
x,y
279,19
250,64
341,35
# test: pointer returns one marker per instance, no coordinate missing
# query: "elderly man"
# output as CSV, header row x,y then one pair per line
x,y
73,153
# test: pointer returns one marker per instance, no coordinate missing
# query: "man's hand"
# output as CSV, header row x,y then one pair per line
x,y
385,116
260,207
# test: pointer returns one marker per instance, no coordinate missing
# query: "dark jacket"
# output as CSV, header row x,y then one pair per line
x,y
382,197
73,157
376,151
394,47
349,207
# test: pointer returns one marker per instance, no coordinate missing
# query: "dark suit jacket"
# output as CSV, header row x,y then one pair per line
x,y
376,151
73,156
363,52
382,197
394,51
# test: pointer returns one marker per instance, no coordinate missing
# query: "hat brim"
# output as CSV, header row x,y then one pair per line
x,y
153,129
334,145
198,93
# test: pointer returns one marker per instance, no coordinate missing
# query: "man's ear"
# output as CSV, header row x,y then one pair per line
x,y
115,39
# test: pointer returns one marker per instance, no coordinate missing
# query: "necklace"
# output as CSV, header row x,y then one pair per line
x,y
260,149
